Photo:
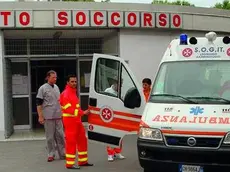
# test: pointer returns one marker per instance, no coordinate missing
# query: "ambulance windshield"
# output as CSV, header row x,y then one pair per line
x,y
197,81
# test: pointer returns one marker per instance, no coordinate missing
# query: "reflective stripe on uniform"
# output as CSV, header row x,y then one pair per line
x,y
70,156
82,153
66,106
77,105
82,159
70,162
76,112
68,115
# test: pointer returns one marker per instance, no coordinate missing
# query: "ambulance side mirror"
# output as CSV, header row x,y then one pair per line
x,y
132,98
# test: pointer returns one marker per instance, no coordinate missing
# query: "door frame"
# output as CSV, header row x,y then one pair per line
x,y
29,126
44,58
79,59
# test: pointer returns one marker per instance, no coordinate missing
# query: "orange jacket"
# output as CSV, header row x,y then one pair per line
x,y
70,103
146,93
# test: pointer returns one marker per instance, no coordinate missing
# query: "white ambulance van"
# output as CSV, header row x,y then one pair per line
x,y
185,124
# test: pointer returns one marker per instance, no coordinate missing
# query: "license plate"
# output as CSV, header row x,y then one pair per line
x,y
190,168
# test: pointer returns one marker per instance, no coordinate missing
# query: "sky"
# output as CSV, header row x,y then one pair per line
x,y
200,3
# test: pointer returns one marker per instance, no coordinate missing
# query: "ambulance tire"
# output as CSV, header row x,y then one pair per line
x,y
148,170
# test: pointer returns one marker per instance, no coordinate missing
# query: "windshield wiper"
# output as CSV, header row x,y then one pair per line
x,y
172,95
211,98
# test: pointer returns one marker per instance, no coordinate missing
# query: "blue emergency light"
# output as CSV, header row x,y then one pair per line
x,y
183,39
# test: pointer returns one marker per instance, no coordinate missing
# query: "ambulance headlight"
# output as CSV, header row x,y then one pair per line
x,y
150,133
227,138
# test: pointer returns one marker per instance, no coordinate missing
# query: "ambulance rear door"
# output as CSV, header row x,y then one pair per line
x,y
116,101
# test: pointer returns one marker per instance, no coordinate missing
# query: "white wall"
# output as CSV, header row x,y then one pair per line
x,y
110,44
144,49
2,115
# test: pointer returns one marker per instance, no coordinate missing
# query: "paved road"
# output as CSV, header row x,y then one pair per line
x,y
30,156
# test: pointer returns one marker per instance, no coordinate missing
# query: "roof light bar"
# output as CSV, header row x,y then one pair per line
x,y
226,40
183,39
211,36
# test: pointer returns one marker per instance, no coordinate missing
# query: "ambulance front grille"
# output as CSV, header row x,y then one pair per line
x,y
200,141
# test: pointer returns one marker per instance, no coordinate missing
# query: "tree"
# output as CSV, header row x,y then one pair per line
x,y
224,5
177,2
80,0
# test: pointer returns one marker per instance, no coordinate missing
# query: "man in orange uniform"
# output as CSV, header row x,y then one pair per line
x,y
74,129
146,84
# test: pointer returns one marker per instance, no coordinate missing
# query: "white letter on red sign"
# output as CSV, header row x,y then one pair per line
x,y
147,19
115,19
162,20
176,21
80,18
132,19
62,18
98,18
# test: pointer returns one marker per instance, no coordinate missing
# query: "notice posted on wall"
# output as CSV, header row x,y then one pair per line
x,y
87,79
19,84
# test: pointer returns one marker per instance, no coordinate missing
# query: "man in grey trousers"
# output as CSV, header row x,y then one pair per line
x,y
49,115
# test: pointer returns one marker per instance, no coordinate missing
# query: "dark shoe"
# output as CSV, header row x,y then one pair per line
x,y
50,159
74,167
86,165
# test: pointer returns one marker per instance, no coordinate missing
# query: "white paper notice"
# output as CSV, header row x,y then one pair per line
x,y
19,84
17,80
87,79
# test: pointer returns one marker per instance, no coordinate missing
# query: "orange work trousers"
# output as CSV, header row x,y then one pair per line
x,y
75,140
113,151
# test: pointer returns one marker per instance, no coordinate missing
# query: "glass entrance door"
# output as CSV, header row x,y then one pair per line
x,y
84,70
21,94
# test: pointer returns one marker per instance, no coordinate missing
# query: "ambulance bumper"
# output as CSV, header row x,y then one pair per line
x,y
156,156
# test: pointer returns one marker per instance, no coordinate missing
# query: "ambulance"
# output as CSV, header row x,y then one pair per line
x,y
185,125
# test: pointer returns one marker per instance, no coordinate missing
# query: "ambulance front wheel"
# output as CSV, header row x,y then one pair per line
x,y
147,170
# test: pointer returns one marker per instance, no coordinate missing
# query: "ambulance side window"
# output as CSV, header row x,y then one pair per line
x,y
106,80
126,82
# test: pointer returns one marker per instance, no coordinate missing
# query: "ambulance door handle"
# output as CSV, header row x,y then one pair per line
x,y
92,102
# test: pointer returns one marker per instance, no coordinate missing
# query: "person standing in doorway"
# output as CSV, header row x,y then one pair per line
x,y
146,84
74,130
114,153
49,115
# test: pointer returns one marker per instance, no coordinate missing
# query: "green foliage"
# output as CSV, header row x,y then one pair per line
x,y
224,5
80,0
177,2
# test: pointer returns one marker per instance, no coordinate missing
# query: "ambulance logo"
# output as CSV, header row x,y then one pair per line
x,y
187,52
196,110
106,114
228,52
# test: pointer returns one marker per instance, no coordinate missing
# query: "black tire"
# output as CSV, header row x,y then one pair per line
x,y
147,170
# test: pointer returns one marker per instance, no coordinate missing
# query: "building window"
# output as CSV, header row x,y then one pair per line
x,y
90,45
52,46
15,46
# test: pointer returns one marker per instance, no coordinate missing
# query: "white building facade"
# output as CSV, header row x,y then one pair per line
x,y
62,36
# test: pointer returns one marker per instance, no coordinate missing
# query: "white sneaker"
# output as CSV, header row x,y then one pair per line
x,y
119,156
110,158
